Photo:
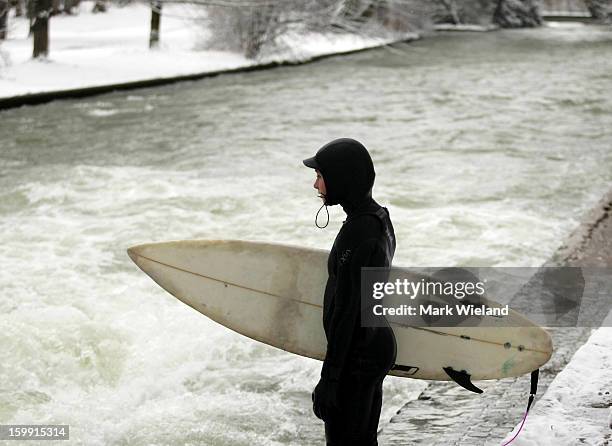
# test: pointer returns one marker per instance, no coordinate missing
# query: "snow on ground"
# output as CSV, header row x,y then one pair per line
x,y
98,49
110,48
465,27
576,409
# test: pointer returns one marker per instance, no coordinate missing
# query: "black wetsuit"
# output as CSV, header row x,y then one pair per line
x,y
349,396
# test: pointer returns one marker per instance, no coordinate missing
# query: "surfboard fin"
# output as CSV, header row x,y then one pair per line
x,y
463,378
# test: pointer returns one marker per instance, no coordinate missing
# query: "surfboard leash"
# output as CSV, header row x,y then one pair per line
x,y
532,392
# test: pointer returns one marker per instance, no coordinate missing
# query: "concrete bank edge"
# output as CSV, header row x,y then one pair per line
x,y
574,245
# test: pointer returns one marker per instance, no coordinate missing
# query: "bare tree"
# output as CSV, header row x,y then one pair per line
x,y
372,16
156,8
40,27
4,12
248,26
389,14
463,11
600,9
517,13
31,13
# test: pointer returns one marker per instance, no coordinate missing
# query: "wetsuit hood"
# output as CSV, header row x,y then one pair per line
x,y
348,173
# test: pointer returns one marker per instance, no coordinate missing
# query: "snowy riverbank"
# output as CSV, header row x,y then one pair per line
x,y
577,406
93,50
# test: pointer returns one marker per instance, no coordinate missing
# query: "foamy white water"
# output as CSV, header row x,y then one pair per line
x,y
488,149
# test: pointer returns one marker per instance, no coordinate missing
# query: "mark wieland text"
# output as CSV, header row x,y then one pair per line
x,y
461,309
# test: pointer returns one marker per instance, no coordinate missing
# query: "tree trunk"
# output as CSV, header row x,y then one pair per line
x,y
40,27
4,10
30,5
255,32
156,8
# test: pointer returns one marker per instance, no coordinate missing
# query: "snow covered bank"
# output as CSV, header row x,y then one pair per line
x,y
576,409
93,50
465,27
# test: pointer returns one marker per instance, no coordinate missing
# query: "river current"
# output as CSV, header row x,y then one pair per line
x,y
488,147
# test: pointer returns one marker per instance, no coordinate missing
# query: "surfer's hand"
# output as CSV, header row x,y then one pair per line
x,y
325,398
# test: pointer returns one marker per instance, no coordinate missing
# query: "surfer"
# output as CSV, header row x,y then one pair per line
x,y
348,397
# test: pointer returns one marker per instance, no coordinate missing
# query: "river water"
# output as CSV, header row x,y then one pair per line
x,y
488,148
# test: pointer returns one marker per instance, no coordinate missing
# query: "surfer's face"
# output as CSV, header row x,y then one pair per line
x,y
319,185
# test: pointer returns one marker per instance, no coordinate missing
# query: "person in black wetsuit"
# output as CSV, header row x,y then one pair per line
x,y
348,397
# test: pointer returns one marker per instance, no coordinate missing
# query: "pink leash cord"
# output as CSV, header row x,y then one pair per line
x,y
519,431
534,388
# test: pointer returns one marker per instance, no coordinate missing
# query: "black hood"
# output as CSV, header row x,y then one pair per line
x,y
348,173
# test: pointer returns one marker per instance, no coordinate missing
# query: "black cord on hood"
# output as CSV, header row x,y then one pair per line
x,y
317,217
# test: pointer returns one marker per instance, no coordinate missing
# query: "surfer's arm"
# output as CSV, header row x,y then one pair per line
x,y
347,305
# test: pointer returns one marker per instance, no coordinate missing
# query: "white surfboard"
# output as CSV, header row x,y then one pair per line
x,y
274,294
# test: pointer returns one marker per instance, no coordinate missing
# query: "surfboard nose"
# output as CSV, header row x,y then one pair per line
x,y
134,253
